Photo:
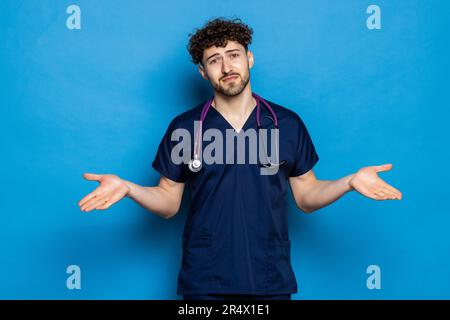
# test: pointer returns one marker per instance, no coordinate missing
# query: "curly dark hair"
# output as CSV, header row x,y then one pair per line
x,y
217,32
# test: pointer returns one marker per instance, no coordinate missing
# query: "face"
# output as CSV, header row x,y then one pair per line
x,y
228,68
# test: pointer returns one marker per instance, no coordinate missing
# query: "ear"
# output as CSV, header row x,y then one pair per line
x,y
251,60
202,71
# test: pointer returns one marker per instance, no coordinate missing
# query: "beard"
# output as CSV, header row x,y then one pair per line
x,y
232,88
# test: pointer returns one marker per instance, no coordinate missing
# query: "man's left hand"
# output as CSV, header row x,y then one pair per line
x,y
367,182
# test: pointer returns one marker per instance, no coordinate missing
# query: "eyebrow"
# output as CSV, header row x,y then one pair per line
x,y
215,54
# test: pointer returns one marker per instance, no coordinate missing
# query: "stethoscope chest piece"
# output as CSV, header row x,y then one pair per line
x,y
195,165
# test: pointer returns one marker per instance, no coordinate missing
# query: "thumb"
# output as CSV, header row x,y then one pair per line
x,y
92,176
384,167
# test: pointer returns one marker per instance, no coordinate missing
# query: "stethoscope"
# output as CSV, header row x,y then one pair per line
x,y
195,164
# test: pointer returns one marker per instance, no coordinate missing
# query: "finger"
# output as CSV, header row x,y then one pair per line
x,y
106,204
375,196
88,203
372,195
92,176
393,190
87,198
397,193
381,195
382,185
391,196
94,194
93,203
389,193
383,167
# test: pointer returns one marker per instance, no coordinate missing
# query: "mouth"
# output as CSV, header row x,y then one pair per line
x,y
232,77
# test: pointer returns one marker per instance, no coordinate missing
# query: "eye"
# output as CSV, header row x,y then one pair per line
x,y
212,61
234,55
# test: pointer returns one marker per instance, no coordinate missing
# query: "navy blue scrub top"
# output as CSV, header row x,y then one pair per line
x,y
235,238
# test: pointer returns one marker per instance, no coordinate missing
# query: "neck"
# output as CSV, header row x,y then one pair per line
x,y
239,105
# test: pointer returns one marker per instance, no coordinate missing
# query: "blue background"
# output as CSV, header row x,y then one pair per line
x,y
99,100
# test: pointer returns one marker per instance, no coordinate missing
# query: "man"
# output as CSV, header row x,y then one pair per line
x,y
235,241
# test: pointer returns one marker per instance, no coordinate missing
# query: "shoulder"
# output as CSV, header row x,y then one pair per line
x,y
186,118
286,115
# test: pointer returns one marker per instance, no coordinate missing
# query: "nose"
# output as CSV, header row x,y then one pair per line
x,y
226,67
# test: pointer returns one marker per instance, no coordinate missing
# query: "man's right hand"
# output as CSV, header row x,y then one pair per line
x,y
110,190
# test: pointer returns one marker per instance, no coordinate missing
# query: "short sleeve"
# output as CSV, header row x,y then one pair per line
x,y
163,162
306,155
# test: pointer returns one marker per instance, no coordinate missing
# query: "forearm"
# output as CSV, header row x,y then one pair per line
x,y
155,199
325,192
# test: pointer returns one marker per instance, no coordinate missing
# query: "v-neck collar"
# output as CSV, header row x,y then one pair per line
x,y
229,124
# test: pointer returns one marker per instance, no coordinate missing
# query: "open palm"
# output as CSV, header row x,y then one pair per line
x,y
110,190
367,182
